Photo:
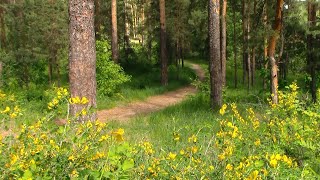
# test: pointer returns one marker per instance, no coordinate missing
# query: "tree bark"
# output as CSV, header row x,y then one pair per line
x,y
114,44
2,40
163,45
223,42
235,47
253,62
311,59
215,60
98,22
82,56
265,45
271,53
2,29
245,29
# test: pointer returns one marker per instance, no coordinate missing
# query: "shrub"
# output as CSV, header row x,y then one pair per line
x,y
109,75
284,143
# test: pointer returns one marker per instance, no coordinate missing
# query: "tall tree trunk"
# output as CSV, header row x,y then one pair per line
x,y
2,29
235,46
82,56
248,50
50,69
246,37
311,59
114,44
271,53
223,42
2,40
246,54
98,22
253,62
215,60
265,45
1,69
163,44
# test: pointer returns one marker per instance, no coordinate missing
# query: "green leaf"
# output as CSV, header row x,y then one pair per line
x,y
259,163
128,164
27,174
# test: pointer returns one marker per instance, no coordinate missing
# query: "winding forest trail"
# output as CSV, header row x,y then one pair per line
x,y
153,103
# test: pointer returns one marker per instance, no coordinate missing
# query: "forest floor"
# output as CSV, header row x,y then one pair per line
x,y
153,103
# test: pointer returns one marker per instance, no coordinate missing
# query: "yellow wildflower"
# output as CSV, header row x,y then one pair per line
x,y
229,167
103,138
193,139
171,156
254,175
278,157
182,152
176,136
13,115
71,158
84,100
7,109
118,134
257,142
221,156
273,163
223,109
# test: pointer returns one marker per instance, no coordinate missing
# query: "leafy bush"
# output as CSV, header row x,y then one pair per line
x,y
284,143
109,75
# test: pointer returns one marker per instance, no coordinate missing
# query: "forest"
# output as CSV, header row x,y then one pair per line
x,y
159,89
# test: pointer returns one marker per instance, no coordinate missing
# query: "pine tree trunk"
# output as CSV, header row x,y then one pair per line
x,y
163,45
2,40
114,44
2,29
245,47
98,22
253,57
82,56
265,45
215,60
311,60
235,47
223,42
271,52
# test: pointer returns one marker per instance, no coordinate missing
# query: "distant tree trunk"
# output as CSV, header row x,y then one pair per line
x,y
82,56
253,62
149,43
246,54
114,44
215,60
1,69
265,45
223,41
235,46
246,37
311,59
50,69
163,44
98,22
271,52
126,38
2,29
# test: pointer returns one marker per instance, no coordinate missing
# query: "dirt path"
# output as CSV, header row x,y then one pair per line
x,y
152,104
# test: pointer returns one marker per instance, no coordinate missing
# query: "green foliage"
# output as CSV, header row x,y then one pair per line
x,y
36,35
109,75
284,143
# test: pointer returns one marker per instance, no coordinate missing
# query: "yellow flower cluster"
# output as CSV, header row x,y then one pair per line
x,y
61,93
10,110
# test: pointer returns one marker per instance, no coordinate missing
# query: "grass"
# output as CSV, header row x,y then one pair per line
x,y
145,82
158,127
190,116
